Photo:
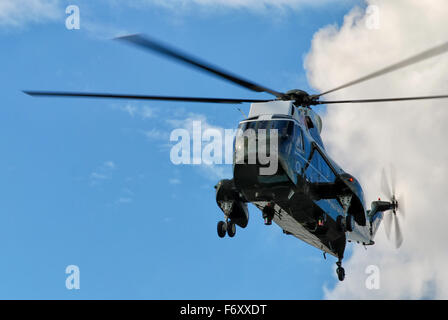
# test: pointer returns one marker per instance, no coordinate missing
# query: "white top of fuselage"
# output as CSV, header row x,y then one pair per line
x,y
263,110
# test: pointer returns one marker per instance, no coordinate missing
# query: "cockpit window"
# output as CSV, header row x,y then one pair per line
x,y
252,125
264,125
243,126
280,125
283,126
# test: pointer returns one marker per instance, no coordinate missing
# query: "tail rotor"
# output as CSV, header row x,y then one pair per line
x,y
391,219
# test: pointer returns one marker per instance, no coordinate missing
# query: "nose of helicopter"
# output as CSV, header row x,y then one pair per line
x,y
263,163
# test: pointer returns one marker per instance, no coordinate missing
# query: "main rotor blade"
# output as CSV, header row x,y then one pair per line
x,y
381,100
414,59
175,54
136,97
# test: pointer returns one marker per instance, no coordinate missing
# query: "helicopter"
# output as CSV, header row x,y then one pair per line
x,y
309,196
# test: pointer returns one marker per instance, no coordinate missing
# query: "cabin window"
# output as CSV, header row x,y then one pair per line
x,y
290,128
299,139
309,122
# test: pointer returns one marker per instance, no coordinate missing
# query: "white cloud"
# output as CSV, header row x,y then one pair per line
x,y
174,181
412,135
213,172
103,172
130,109
19,12
181,119
147,112
258,5
144,112
123,200
98,176
109,164
157,134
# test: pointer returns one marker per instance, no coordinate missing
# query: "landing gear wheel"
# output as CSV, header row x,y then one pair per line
x,y
341,273
231,229
222,228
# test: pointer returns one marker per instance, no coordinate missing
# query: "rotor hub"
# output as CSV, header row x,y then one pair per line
x,y
394,203
300,97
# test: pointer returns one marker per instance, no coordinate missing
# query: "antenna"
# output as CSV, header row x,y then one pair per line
x,y
241,112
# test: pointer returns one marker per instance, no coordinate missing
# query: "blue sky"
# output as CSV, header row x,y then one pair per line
x,y
90,182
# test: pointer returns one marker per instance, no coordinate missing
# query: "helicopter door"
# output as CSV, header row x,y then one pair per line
x,y
299,150
320,175
317,169
299,140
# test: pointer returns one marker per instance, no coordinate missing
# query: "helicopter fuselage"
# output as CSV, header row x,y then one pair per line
x,y
309,196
